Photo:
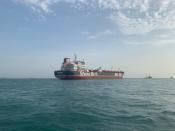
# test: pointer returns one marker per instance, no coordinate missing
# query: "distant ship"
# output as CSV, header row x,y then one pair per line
x,y
171,77
74,70
148,77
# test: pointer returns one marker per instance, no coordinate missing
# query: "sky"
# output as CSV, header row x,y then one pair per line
x,y
136,36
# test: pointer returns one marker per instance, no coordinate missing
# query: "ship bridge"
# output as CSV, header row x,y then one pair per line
x,y
72,65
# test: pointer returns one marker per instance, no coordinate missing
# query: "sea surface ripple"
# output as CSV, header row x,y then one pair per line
x,y
87,105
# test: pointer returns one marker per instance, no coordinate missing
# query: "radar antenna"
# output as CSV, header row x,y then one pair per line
x,y
75,57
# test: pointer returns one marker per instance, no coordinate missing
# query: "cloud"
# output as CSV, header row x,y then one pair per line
x,y
131,16
100,34
165,37
44,6
38,5
144,16
152,42
131,25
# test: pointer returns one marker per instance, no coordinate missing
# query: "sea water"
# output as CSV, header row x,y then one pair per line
x,y
87,105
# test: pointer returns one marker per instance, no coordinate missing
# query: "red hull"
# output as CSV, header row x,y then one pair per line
x,y
88,77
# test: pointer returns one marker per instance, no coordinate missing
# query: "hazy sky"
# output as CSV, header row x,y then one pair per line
x,y
137,36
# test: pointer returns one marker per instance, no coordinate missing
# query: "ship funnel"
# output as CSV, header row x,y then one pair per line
x,y
66,60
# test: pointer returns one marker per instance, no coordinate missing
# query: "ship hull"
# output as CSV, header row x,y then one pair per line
x,y
76,76
87,77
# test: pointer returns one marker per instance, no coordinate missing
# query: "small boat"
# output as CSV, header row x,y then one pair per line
x,y
148,77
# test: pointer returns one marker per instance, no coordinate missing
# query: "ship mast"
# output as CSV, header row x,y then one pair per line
x,y
75,57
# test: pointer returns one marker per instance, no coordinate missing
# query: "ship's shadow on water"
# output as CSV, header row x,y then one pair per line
x,y
87,105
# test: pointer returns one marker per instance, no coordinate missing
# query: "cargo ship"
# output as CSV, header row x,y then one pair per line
x,y
76,70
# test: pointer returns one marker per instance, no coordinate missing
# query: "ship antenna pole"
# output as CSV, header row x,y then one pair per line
x,y
111,68
75,57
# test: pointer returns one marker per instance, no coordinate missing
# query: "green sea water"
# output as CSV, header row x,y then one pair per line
x,y
87,105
